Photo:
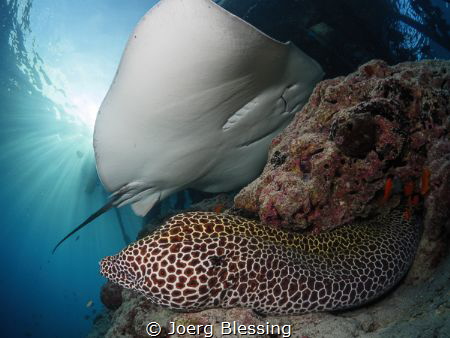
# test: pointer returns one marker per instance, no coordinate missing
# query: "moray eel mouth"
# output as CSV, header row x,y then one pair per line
x,y
114,268
201,260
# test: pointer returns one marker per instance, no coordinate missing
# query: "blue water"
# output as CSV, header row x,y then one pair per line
x,y
57,60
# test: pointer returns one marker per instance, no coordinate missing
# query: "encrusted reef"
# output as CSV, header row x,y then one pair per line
x,y
361,144
372,141
331,163
111,295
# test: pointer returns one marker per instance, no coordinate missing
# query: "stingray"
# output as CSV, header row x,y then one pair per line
x,y
198,96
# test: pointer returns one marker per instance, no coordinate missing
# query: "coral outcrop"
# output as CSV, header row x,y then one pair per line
x,y
111,295
331,163
380,124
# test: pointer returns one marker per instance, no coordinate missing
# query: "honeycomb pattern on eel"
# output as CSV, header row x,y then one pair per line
x,y
201,260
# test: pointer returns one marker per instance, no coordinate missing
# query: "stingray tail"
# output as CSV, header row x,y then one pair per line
x,y
99,212
129,193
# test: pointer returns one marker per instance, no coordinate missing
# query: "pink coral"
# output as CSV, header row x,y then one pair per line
x,y
331,163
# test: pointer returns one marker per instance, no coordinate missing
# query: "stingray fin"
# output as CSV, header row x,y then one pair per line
x,y
143,206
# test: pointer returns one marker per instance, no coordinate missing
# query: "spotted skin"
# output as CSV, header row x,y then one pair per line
x,y
201,260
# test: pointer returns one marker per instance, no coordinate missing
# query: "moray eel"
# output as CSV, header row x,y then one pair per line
x,y
201,260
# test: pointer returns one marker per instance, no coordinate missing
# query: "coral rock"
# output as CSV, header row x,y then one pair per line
x,y
331,163
111,295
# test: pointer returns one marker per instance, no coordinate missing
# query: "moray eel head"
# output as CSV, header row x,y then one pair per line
x,y
120,270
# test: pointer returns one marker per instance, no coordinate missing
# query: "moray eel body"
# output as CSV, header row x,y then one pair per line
x,y
203,260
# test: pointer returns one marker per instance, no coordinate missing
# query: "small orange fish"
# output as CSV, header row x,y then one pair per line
x,y
425,182
408,189
407,214
219,208
387,189
415,200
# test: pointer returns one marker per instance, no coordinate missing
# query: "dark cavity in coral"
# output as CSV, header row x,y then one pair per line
x,y
356,137
278,158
